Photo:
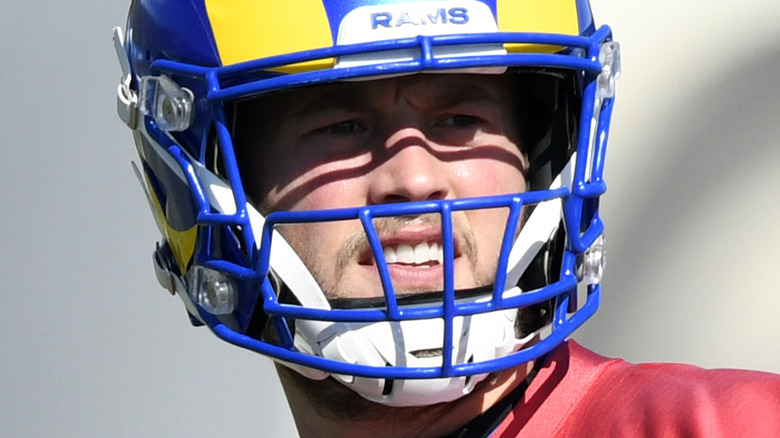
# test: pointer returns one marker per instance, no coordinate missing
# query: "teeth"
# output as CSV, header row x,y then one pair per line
x,y
436,253
390,255
420,254
405,254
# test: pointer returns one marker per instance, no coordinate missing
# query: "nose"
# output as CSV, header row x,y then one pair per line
x,y
409,170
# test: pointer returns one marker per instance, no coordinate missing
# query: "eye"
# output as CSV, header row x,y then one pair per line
x,y
460,121
345,127
338,140
460,128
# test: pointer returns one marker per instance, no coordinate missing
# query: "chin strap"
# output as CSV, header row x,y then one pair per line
x,y
409,344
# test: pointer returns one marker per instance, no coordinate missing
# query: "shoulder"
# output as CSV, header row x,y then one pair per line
x,y
664,399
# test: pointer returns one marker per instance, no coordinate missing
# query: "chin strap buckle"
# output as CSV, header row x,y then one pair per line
x,y
126,97
171,281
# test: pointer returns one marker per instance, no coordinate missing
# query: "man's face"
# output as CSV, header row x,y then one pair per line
x,y
412,138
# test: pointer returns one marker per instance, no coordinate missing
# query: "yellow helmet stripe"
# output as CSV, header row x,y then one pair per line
x,y
548,16
246,30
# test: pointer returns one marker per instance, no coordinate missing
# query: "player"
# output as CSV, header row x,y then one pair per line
x,y
398,202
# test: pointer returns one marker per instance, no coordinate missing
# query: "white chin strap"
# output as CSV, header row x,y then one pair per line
x,y
413,343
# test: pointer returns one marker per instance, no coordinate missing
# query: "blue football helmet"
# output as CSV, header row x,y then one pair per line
x,y
187,63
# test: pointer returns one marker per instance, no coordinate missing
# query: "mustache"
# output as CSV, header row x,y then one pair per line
x,y
357,242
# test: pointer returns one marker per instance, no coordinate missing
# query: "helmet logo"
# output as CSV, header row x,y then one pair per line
x,y
408,20
441,15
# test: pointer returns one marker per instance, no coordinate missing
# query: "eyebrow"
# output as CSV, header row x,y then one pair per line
x,y
336,96
465,91
350,98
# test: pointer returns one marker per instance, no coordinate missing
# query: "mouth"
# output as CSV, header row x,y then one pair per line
x,y
410,249
415,262
413,254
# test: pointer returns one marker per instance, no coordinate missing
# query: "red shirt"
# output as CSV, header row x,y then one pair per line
x,y
579,393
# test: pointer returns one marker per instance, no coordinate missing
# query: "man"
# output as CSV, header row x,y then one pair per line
x,y
398,202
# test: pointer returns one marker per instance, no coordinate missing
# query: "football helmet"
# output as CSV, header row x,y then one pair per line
x,y
185,65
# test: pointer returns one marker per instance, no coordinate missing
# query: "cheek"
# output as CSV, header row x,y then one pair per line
x,y
316,242
485,177
312,191
334,194
320,240
313,185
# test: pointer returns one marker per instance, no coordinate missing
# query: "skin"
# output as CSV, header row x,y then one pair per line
x,y
410,138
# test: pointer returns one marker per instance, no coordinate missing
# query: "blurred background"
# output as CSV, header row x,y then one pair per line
x,y
92,346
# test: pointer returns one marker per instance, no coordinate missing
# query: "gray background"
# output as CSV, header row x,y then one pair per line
x,y
91,346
